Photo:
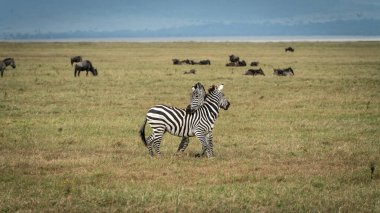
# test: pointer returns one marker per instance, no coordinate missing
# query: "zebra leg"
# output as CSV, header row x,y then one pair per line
x,y
202,153
183,145
158,133
156,146
210,144
149,144
205,147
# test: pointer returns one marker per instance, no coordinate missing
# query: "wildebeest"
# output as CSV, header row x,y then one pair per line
x,y
2,67
290,49
179,62
75,59
254,63
192,71
192,62
85,65
176,61
234,58
10,62
254,72
232,64
242,63
205,62
283,72
237,64
6,62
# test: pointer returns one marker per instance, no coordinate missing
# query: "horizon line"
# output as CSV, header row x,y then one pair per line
x,y
254,39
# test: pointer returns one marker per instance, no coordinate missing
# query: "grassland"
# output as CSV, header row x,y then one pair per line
x,y
287,144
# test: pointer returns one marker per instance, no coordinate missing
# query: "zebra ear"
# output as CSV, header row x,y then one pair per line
x,y
220,87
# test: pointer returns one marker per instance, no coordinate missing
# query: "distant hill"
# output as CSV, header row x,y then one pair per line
x,y
361,27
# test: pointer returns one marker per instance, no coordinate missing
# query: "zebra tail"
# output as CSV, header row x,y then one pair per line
x,y
142,133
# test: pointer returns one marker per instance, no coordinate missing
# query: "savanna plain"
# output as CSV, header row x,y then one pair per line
x,y
306,143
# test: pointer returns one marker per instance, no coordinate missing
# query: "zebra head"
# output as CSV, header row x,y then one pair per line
x,y
216,95
197,98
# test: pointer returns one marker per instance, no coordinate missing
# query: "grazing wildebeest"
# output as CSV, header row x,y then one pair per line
x,y
187,61
2,67
254,63
192,71
236,64
10,62
232,64
283,72
205,62
85,65
75,59
242,63
192,62
254,72
179,62
176,61
290,49
234,58
7,62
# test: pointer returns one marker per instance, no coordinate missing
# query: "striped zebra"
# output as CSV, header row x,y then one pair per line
x,y
197,98
200,123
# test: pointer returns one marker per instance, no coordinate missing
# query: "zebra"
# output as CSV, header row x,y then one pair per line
x,y
200,123
197,99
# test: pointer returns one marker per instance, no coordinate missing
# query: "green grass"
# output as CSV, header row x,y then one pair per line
x,y
286,144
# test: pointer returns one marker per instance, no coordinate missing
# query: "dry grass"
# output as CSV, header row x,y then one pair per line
x,y
303,143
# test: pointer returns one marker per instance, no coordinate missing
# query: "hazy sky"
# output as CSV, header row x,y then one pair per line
x,y
107,15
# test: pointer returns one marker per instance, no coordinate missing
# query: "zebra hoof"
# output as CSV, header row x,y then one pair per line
x,y
198,155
